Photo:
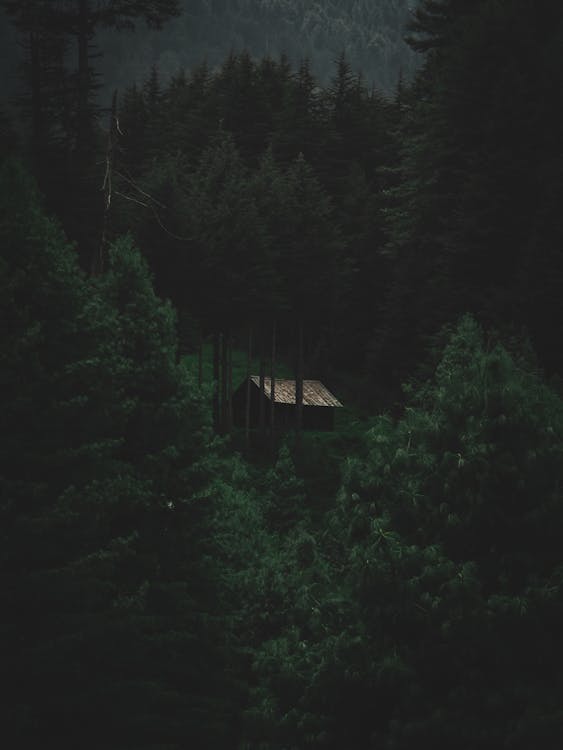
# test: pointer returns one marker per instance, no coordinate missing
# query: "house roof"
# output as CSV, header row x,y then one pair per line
x,y
314,392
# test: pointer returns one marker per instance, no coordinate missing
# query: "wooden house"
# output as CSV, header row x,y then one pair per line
x,y
318,404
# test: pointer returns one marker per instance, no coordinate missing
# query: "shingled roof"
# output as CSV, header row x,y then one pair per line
x,y
314,392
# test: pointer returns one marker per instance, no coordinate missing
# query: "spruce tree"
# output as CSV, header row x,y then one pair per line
x,y
468,203
103,510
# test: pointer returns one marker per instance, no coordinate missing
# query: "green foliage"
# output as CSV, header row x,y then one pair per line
x,y
103,517
434,578
212,602
248,228
285,496
475,190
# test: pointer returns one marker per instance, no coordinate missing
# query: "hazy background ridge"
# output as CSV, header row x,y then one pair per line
x,y
369,32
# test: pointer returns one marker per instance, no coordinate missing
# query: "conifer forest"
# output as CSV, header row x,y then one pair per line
x,y
281,405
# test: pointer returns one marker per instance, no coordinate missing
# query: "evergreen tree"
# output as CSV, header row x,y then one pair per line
x,y
299,124
103,514
469,199
232,244
430,608
311,262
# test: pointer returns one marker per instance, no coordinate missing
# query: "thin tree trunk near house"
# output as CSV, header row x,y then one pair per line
x,y
200,361
299,384
248,392
224,380
216,379
229,402
262,414
273,390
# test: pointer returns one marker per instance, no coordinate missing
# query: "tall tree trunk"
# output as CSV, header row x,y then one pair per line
x,y
299,384
248,390
216,383
200,361
99,262
84,80
262,417
38,134
229,402
85,209
273,390
224,380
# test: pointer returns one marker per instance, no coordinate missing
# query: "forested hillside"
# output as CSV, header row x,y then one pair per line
x,y
369,32
176,575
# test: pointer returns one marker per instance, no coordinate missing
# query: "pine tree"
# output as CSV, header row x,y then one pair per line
x,y
457,484
468,201
428,608
299,123
311,263
103,517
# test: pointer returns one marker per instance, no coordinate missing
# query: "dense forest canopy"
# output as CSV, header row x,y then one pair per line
x,y
173,579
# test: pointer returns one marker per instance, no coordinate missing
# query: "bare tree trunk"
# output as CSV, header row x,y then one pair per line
x,y
248,391
299,384
273,390
216,379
